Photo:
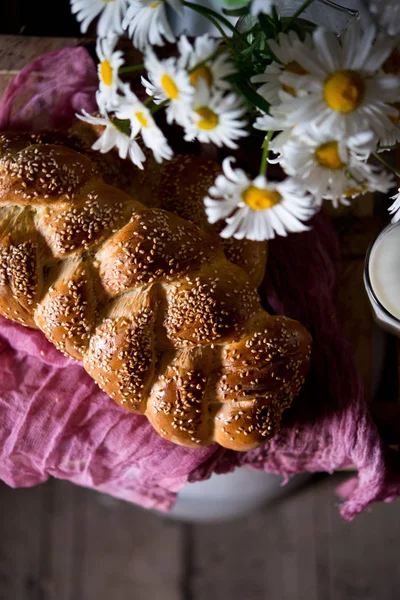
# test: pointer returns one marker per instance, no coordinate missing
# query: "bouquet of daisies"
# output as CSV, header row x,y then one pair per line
x,y
325,106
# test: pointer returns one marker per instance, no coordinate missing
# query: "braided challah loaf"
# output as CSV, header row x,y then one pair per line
x,y
178,185
146,300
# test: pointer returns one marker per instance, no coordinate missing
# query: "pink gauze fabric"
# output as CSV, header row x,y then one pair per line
x,y
54,420
48,92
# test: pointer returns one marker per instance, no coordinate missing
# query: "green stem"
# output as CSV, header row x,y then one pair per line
x,y
298,12
394,147
384,162
156,107
131,69
264,157
148,100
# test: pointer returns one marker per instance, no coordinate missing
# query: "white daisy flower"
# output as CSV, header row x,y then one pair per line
x,y
204,62
346,93
141,121
394,209
216,118
114,137
328,167
377,181
147,21
284,50
387,14
109,64
111,14
277,121
168,81
391,136
257,209
277,144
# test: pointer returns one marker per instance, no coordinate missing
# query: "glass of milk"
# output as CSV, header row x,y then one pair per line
x,y
382,278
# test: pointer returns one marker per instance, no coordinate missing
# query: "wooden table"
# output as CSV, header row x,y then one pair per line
x,y
357,227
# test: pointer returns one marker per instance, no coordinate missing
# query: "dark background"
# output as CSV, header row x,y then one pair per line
x,y
37,17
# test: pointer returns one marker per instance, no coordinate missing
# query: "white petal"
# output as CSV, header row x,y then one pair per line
x,y
328,47
363,49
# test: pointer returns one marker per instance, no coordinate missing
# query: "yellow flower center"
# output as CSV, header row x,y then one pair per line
x,y
155,4
327,156
259,199
209,119
142,119
203,73
106,72
293,67
107,1
344,91
170,87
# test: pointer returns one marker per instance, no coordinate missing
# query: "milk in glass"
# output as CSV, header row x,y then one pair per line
x,y
382,278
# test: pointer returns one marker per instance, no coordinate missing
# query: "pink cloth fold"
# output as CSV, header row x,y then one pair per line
x,y
48,92
54,420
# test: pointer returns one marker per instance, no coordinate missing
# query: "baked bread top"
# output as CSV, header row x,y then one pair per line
x,y
148,301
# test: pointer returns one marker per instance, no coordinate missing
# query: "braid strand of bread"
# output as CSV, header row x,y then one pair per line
x,y
162,321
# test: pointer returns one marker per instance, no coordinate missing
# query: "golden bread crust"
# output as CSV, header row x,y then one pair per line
x,y
147,300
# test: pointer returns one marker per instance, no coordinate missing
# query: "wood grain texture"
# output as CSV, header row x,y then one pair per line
x,y
360,559
17,51
62,542
300,549
128,552
5,78
270,554
21,542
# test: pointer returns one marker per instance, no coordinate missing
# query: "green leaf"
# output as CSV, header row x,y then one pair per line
x,y
233,3
123,125
275,15
267,25
248,51
394,147
252,96
235,12
243,88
